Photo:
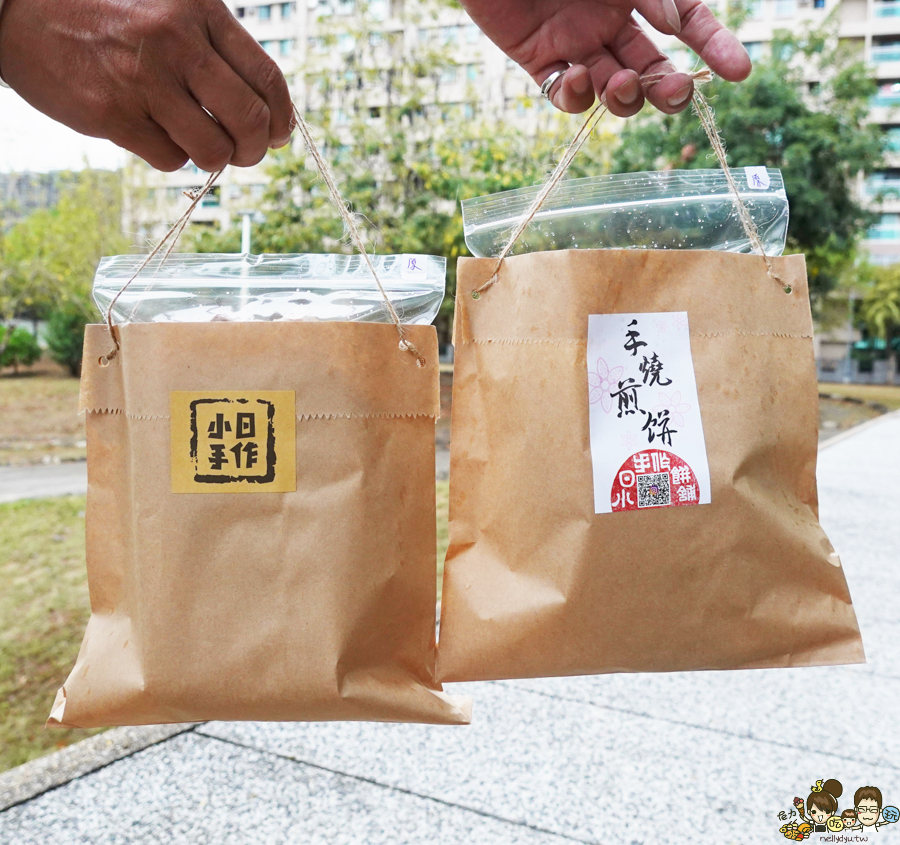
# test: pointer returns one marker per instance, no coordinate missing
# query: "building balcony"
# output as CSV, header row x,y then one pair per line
x,y
884,232
890,9
884,55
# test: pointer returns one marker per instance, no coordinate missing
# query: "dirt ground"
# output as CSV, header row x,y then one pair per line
x,y
39,420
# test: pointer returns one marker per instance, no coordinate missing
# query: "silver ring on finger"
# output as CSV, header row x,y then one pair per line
x,y
549,82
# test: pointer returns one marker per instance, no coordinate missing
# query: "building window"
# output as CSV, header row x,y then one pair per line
x,y
887,228
754,10
378,9
346,42
449,34
785,8
285,11
886,51
213,198
240,11
818,4
754,50
269,46
286,46
473,33
889,9
472,73
265,13
345,7
450,75
893,138
888,94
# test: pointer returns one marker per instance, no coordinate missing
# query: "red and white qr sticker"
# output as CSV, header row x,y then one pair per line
x,y
654,479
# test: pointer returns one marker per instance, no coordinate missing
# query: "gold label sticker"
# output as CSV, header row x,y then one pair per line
x,y
233,441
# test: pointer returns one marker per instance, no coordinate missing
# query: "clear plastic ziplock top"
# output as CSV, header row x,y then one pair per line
x,y
669,209
200,288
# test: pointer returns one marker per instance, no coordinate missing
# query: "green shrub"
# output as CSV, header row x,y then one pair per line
x,y
20,349
65,338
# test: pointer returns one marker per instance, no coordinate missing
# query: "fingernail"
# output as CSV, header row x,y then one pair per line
x,y
680,97
670,10
628,92
581,84
277,145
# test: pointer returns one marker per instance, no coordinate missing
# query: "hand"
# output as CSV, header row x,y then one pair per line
x,y
607,49
141,73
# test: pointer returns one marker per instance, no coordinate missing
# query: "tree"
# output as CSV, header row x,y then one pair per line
x,y
48,260
402,156
880,307
20,348
817,135
65,338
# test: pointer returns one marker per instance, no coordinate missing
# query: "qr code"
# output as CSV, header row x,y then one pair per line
x,y
653,490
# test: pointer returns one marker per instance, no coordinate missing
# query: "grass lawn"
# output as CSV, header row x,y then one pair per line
x,y
43,611
884,394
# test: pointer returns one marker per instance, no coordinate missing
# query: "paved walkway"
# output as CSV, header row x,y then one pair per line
x,y
619,760
32,482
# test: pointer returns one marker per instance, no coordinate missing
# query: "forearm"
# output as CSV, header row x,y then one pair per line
x,y
2,83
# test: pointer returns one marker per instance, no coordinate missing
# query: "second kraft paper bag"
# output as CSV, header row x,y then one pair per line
x,y
633,467
260,526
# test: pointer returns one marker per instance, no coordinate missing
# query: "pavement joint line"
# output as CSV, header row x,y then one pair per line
x,y
52,771
707,728
412,793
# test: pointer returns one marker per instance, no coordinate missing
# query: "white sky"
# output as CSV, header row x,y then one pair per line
x,y
32,141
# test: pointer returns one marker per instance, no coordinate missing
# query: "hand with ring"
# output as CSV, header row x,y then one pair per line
x,y
579,49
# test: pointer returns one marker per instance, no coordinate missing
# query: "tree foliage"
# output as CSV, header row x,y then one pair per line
x,y
47,261
880,306
20,348
403,158
816,134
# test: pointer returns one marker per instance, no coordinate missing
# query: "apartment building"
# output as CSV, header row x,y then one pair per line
x,y
307,33
292,33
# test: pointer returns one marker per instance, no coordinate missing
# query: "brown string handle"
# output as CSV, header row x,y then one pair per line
x,y
707,119
171,238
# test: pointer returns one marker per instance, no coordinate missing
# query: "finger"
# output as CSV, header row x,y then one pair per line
x,y
660,14
235,105
573,92
619,87
237,47
721,50
147,139
192,129
667,89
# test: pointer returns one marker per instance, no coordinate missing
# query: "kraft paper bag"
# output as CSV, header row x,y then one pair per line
x,y
260,526
632,481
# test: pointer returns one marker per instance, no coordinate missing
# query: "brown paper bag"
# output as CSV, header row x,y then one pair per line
x,y
232,602
536,582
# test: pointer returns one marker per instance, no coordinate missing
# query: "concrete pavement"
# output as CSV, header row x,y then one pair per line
x,y
619,760
34,482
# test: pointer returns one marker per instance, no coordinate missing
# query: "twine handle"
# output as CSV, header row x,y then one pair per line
x,y
707,119
171,238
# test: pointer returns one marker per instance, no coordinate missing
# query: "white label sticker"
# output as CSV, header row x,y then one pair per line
x,y
757,178
414,268
647,445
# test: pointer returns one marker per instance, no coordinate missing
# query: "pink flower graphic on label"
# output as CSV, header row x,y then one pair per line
x,y
674,406
629,441
601,382
679,320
